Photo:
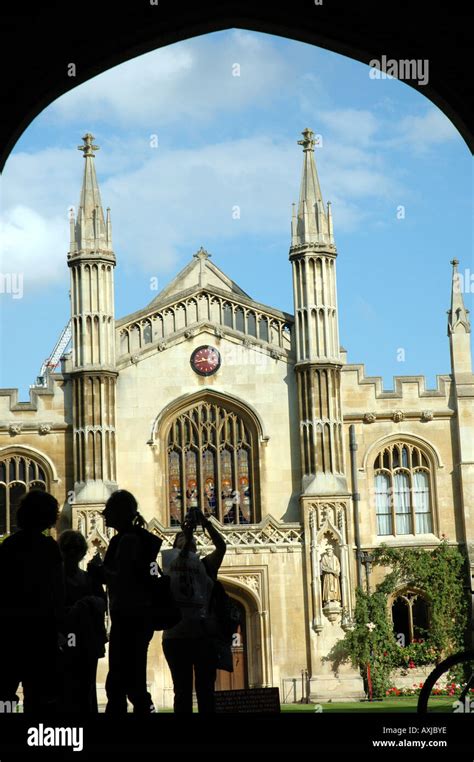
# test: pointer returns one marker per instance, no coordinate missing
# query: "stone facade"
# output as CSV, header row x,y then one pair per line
x,y
106,421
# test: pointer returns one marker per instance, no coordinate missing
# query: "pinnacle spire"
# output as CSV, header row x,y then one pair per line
x,y
312,223
458,320
91,232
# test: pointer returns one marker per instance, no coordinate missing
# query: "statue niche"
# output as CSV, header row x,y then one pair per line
x,y
331,584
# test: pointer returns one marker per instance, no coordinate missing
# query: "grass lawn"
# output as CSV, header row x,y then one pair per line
x,y
401,704
397,705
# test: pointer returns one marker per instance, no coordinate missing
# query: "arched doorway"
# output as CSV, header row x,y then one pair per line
x,y
250,649
238,679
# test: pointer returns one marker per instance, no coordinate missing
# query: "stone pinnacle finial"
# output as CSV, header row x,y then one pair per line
x,y
458,314
308,141
202,254
88,146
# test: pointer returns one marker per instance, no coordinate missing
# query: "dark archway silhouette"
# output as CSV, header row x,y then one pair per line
x,y
46,37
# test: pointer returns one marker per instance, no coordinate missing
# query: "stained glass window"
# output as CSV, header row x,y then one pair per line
x,y
212,461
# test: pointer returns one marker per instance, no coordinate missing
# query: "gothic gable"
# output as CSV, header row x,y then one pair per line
x,y
199,273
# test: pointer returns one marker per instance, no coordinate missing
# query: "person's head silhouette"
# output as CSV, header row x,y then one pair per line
x,y
180,542
73,547
121,511
38,510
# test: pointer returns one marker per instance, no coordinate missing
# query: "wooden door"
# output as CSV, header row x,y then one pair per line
x,y
236,680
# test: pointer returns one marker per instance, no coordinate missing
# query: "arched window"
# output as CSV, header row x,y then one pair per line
x,y
227,315
402,490
18,474
212,464
147,333
410,616
239,319
252,324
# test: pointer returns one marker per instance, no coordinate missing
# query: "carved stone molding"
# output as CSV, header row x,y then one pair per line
x,y
398,416
370,417
250,580
332,610
268,536
135,359
44,428
15,428
161,345
90,522
427,415
95,428
330,512
210,312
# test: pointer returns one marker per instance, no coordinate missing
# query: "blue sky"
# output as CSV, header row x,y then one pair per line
x,y
183,141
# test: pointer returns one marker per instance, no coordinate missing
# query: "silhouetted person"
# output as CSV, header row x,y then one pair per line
x,y
83,630
189,645
31,605
127,573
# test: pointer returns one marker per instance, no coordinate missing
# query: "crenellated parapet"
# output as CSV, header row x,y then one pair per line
x,y
41,397
365,399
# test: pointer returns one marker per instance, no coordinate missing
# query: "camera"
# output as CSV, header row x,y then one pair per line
x,y
192,519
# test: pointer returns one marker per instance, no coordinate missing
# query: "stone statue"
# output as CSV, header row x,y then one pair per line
x,y
331,572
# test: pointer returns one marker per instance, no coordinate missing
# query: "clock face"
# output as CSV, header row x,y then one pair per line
x,y
205,360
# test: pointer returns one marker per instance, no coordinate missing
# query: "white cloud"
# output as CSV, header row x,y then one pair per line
x,y
420,133
189,82
352,126
47,180
171,202
33,245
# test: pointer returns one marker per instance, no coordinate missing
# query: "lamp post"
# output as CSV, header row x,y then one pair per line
x,y
366,559
371,627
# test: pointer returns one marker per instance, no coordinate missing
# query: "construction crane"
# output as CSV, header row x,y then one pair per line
x,y
50,364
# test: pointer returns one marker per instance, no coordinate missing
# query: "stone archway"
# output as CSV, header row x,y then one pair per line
x,y
252,660
355,33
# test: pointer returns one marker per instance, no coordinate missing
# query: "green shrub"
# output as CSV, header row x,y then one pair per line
x,y
440,573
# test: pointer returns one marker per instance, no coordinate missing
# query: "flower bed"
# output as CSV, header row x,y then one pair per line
x,y
446,689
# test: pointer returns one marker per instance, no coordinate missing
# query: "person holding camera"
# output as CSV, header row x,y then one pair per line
x,y
189,646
